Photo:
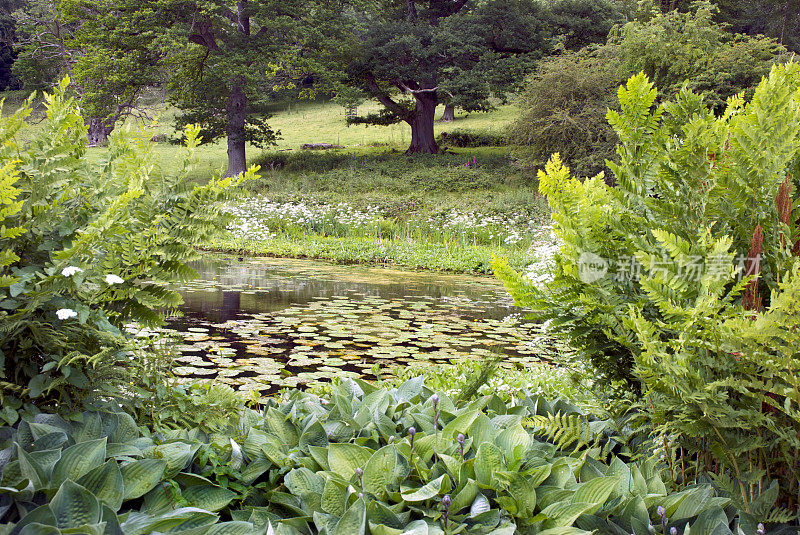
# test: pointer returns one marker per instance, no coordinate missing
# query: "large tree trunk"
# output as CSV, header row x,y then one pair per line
x,y
423,140
237,111
98,130
449,114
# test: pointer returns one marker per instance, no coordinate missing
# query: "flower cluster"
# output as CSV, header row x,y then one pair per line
x,y
507,229
540,271
259,218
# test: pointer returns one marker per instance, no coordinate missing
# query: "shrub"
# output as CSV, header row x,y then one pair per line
x,y
580,23
563,108
645,283
98,245
677,48
471,138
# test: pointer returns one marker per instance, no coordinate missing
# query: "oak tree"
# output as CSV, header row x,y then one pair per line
x,y
415,53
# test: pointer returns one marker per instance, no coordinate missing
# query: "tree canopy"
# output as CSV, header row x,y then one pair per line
x,y
414,52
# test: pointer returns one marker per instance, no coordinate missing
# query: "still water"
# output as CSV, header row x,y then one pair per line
x,y
264,324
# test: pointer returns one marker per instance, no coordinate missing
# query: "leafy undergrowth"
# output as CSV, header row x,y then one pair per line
x,y
364,460
434,256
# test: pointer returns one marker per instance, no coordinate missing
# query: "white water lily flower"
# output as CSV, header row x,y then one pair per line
x,y
70,271
66,313
114,279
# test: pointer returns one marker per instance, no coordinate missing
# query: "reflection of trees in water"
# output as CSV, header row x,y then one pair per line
x,y
266,290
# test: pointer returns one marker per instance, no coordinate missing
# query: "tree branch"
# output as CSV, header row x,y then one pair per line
x,y
407,89
385,99
412,11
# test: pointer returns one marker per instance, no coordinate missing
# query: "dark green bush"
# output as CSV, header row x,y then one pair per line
x,y
677,48
563,108
471,138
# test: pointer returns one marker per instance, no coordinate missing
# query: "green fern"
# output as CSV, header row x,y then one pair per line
x,y
564,430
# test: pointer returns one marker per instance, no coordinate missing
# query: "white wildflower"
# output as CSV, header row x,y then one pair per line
x,y
70,271
66,313
114,279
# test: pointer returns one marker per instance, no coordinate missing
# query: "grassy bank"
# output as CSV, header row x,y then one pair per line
x,y
451,212
311,121
368,202
355,250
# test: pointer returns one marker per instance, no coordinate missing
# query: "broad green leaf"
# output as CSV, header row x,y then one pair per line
x,y
78,460
231,528
176,454
320,456
465,497
426,492
513,442
382,529
126,431
254,469
41,515
481,431
314,435
39,529
209,497
252,444
595,492
409,390
140,477
385,467
354,520
334,498
418,527
278,425
460,424
710,522
523,491
31,469
74,506
344,459
488,459
479,506
564,530
106,483
563,513
184,517
303,482
387,515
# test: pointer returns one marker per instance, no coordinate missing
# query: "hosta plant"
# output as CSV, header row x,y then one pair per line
x,y
364,460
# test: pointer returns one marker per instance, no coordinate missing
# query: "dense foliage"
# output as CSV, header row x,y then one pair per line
x,y
677,280
366,460
563,108
424,51
87,248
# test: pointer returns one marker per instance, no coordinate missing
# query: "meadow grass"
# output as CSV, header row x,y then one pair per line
x,y
299,122
370,171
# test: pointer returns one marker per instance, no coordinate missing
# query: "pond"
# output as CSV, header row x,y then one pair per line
x,y
264,324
